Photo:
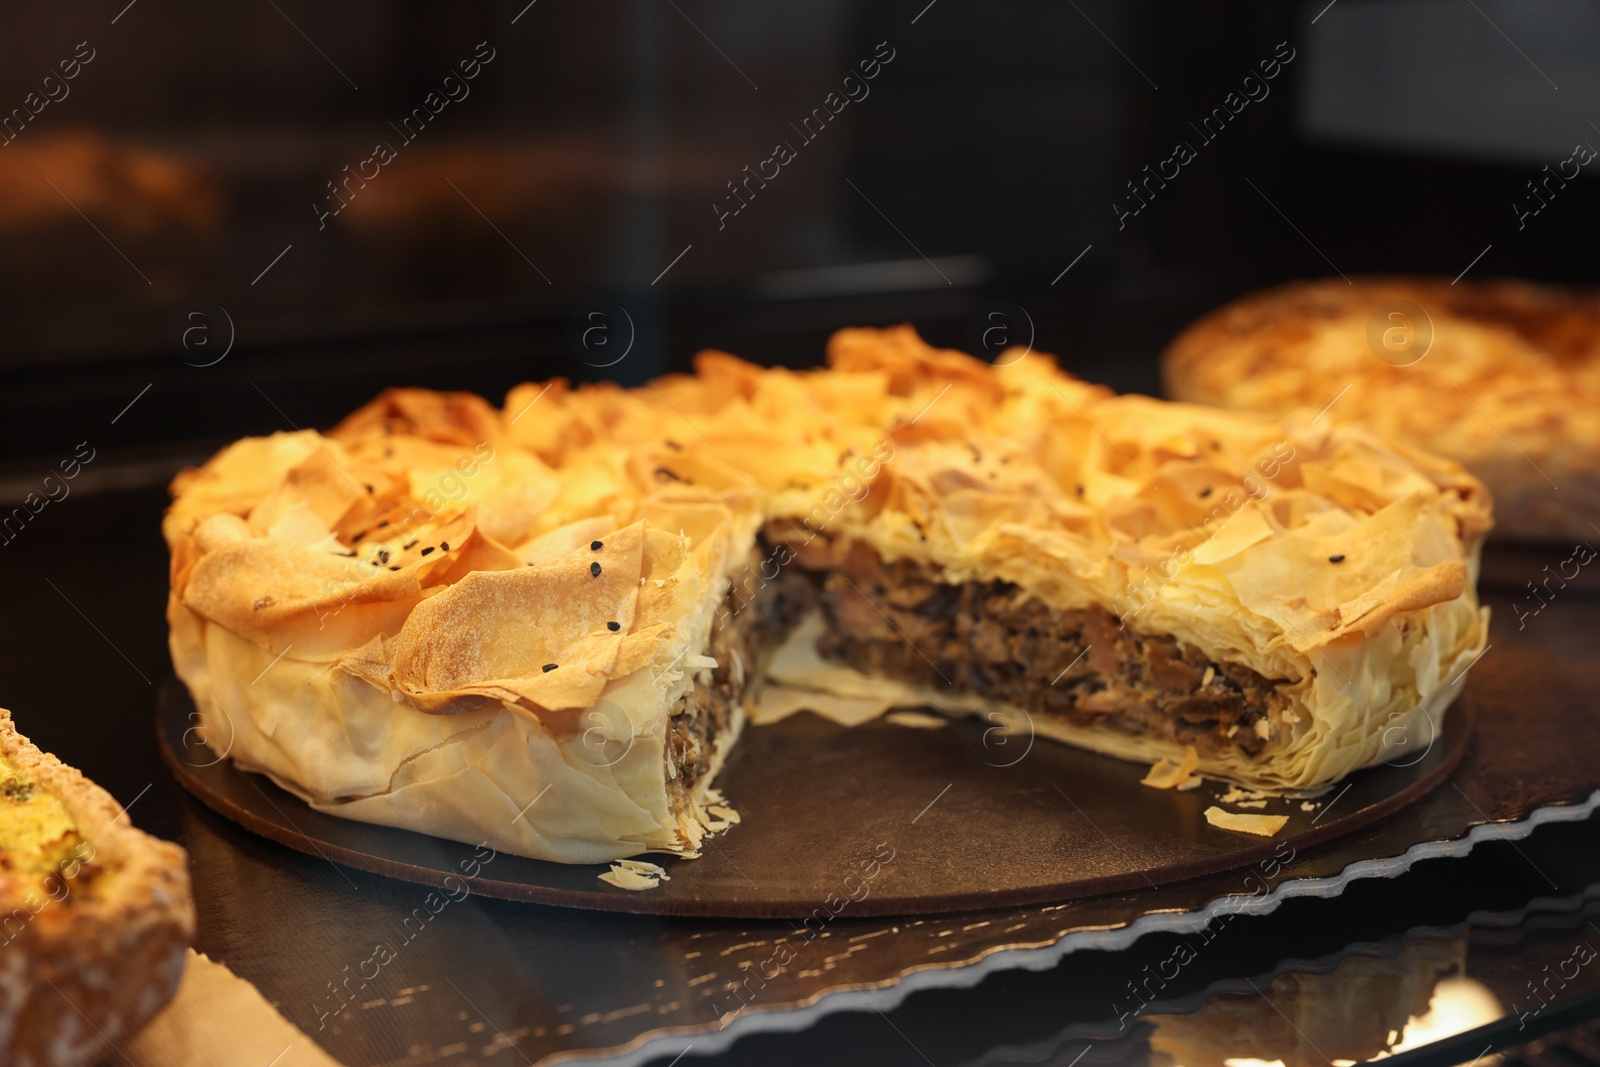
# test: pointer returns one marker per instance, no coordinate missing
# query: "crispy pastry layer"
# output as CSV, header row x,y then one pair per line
x,y
1510,385
89,905
440,611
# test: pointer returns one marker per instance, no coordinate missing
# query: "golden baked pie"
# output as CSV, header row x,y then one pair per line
x,y
95,916
541,626
1503,376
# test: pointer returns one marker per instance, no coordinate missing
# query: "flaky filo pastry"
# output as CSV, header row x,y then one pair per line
x,y
492,625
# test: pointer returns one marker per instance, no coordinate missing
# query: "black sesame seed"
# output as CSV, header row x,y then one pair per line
x,y
444,546
394,566
1205,492
613,626
596,545
594,569
383,555
384,524
408,546
1336,559
367,487
427,550
548,667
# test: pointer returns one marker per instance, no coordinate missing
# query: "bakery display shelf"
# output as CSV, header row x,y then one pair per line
x,y
559,983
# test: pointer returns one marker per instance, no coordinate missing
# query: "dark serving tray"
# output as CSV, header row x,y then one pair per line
x,y
558,983
941,819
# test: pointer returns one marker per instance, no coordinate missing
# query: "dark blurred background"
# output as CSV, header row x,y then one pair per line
x,y
176,197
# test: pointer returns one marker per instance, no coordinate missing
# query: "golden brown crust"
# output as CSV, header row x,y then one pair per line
x,y
383,616
1510,386
84,968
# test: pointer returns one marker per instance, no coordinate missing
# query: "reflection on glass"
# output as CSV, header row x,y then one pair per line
x,y
1459,1004
1365,1008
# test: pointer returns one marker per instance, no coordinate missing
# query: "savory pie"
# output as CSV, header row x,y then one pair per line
x,y
541,627
95,916
1503,376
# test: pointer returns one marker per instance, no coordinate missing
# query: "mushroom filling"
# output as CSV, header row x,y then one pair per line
x,y
903,621
753,619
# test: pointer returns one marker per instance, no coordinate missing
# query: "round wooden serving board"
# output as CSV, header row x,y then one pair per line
x,y
926,813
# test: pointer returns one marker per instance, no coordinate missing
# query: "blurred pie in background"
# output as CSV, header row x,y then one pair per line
x,y
1503,376
124,188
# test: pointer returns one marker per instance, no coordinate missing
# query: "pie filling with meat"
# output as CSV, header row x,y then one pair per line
x,y
1080,666
544,626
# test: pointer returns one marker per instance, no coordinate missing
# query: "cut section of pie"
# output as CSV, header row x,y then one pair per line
x,y
543,627
95,916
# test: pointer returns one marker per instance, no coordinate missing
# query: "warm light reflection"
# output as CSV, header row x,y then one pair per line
x,y
1458,1005
1366,1008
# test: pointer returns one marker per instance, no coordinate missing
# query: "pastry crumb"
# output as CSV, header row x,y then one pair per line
x,y
1238,794
635,875
1168,775
716,814
1260,825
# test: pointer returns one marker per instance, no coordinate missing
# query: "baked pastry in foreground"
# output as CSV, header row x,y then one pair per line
x,y
1503,376
97,915
539,627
